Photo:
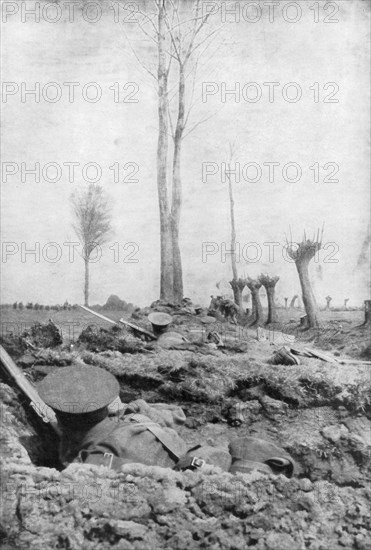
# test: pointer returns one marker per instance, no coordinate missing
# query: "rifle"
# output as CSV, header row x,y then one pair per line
x,y
28,390
135,328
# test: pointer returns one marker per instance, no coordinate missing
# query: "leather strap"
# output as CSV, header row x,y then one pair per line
x,y
110,460
158,432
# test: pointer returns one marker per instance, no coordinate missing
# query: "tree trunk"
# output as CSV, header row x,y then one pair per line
x,y
176,202
302,265
86,285
367,320
254,286
272,313
292,303
166,285
237,293
233,231
253,307
257,307
286,303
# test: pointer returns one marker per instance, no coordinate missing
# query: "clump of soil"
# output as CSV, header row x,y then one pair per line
x,y
113,339
39,335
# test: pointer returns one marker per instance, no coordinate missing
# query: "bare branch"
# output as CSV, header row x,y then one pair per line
x,y
200,122
196,30
178,58
144,15
206,38
138,58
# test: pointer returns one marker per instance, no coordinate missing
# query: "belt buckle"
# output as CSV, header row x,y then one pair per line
x,y
197,462
110,456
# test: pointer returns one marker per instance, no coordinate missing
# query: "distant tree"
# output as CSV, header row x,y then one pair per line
x,y
29,305
254,286
47,308
36,306
41,306
92,224
20,305
15,305
236,283
302,253
269,283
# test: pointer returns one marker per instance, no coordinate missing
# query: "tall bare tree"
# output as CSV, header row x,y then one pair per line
x,y
181,37
237,284
92,224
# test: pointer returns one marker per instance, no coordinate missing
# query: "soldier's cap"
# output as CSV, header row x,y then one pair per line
x,y
160,319
79,390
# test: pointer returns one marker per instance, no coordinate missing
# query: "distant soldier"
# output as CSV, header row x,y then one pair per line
x,y
226,307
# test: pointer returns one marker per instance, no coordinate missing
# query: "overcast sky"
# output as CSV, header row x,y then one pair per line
x,y
325,139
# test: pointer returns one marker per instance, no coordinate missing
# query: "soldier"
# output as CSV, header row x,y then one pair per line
x,y
226,307
159,321
82,397
165,338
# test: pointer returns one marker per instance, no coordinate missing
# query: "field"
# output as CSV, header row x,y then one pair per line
x,y
319,412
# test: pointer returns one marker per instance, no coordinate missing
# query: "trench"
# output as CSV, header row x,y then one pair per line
x,y
321,459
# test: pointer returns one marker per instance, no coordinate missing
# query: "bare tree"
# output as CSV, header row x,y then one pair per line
x,y
92,224
269,283
293,300
236,283
180,41
254,286
302,253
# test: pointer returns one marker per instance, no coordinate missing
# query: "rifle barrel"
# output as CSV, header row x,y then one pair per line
x,y
122,321
41,408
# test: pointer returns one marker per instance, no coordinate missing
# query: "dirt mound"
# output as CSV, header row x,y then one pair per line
x,y
39,335
97,340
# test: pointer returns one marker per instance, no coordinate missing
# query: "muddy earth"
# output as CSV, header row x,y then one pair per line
x,y
319,412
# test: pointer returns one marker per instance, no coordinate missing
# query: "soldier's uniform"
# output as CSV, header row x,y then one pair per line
x,y
137,432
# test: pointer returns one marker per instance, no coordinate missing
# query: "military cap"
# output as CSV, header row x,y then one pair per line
x,y
160,319
78,390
